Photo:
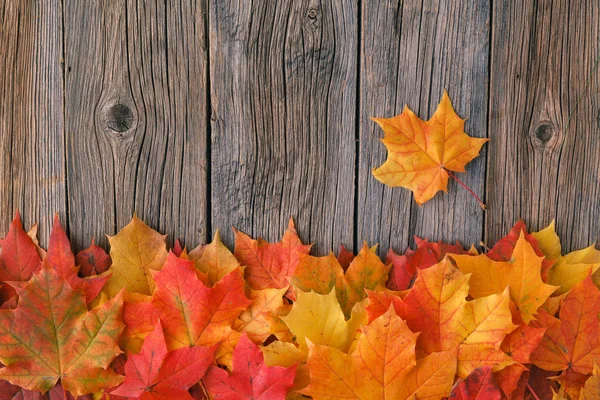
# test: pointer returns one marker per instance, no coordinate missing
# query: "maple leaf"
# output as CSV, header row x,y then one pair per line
x,y
591,389
571,383
479,385
345,257
60,257
158,374
571,341
251,378
93,260
321,274
135,251
51,335
191,313
216,260
522,274
19,258
421,154
405,266
570,269
437,307
269,265
320,319
382,366
262,318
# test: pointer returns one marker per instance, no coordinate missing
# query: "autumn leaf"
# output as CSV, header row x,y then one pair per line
x,y
522,275
269,265
570,269
571,341
93,260
437,307
250,378
135,251
479,385
405,266
591,389
321,274
216,260
421,154
191,313
51,335
60,257
382,366
158,374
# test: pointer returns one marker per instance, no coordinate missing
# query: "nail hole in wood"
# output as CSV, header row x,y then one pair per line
x,y
544,132
119,118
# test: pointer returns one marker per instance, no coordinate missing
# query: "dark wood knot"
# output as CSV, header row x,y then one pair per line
x,y
119,118
545,132
313,13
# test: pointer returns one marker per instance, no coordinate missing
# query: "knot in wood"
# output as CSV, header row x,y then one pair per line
x,y
544,132
313,13
119,118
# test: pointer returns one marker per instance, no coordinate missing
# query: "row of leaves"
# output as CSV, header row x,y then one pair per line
x,y
270,321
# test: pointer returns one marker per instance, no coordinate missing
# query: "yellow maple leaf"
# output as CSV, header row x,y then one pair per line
x,y
421,153
215,260
570,269
522,274
135,251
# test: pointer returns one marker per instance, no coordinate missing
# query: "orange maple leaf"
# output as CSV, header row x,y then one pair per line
x,y
383,366
421,154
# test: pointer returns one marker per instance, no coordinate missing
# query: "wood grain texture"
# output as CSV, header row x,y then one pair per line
x,y
32,152
411,51
136,120
283,89
545,119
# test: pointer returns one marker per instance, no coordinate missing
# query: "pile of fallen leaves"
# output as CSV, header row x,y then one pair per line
x,y
271,321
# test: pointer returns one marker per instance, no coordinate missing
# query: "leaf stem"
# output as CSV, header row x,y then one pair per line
x,y
530,388
467,188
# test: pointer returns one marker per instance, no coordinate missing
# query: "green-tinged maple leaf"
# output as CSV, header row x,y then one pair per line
x,y
135,251
572,341
421,154
158,374
51,335
250,378
269,265
191,313
522,275
321,274
383,366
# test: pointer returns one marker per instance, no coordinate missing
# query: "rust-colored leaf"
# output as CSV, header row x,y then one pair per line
x,y
479,385
93,260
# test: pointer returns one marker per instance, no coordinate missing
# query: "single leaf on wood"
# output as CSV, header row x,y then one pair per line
x,y
60,257
216,260
321,274
191,313
269,265
573,341
479,385
421,154
51,335
250,378
158,374
383,366
19,258
93,260
135,251
522,274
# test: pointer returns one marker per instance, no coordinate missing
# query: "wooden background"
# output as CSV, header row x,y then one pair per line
x,y
199,114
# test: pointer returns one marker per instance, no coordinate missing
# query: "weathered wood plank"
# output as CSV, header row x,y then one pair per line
x,y
411,51
544,119
32,157
283,89
136,101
